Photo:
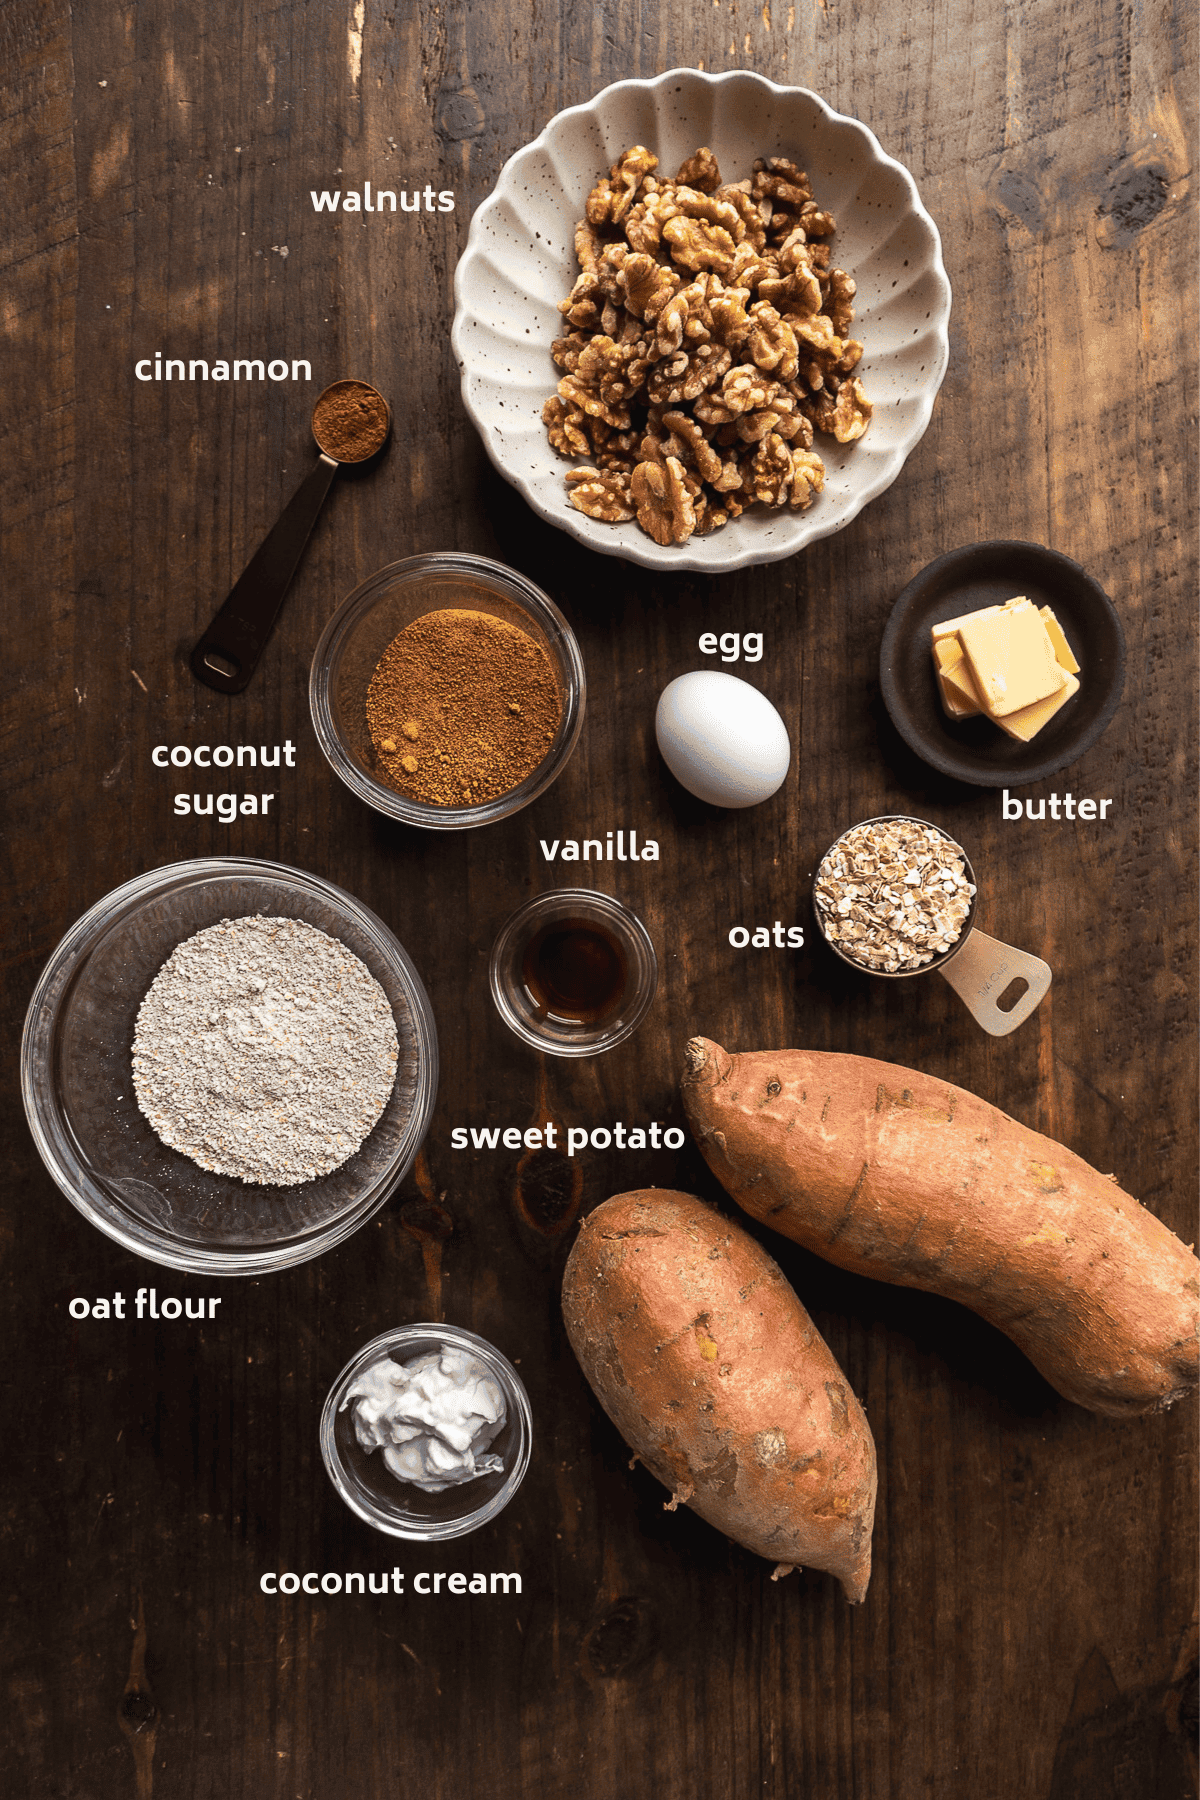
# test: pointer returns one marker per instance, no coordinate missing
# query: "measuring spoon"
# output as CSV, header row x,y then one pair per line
x,y
979,968
227,655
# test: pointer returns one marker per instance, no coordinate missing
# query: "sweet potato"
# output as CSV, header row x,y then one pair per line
x,y
712,1371
903,1177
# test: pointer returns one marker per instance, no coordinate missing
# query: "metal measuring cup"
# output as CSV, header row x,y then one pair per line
x,y
227,655
979,968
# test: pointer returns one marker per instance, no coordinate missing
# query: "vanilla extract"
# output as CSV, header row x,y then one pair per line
x,y
575,972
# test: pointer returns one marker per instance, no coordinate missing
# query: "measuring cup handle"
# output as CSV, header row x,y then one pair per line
x,y
981,971
227,655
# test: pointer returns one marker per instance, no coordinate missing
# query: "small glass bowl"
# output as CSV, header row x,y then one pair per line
x,y
518,1007
369,1488
376,612
77,1075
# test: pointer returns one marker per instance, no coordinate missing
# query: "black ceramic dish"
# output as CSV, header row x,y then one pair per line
x,y
988,574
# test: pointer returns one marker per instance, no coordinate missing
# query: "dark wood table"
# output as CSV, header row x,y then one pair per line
x,y
1029,1630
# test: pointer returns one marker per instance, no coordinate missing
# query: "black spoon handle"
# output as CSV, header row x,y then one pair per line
x,y
227,655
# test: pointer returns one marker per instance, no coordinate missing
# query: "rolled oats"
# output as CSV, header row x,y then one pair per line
x,y
893,894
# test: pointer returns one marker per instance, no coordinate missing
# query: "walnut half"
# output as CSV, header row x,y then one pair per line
x,y
664,506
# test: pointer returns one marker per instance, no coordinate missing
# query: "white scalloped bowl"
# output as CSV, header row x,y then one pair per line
x,y
520,262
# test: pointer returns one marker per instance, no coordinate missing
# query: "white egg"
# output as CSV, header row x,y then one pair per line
x,y
722,739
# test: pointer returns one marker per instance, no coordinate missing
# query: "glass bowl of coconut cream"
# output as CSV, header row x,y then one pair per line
x,y
426,1433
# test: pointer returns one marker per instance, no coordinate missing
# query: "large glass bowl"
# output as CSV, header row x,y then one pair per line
x,y
367,1485
77,1075
376,612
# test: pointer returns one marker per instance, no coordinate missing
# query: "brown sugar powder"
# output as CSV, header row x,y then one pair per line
x,y
461,708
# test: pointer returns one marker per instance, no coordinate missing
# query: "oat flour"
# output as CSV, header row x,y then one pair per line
x,y
264,1050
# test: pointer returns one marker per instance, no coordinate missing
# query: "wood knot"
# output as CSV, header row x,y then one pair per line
x,y
427,1219
547,1191
137,1711
623,1640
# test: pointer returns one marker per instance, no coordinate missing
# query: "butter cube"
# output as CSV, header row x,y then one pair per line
x,y
1026,723
1011,659
1062,650
960,696
949,628
957,690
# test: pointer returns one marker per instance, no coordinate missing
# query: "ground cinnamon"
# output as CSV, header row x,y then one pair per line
x,y
461,708
351,421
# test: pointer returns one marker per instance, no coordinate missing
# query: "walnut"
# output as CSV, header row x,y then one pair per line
x,y
657,449
781,182
803,436
843,413
627,175
754,230
818,334
566,350
700,171
694,447
589,246
709,517
808,478
566,427
779,475
745,389
852,413
601,494
668,331
772,341
582,305
816,223
711,410
730,322
768,475
696,244
644,226
749,267
607,270
716,511
664,506
797,286
686,315
710,207
610,448
646,285
778,416
599,203
577,394
796,293
842,289
604,367
685,375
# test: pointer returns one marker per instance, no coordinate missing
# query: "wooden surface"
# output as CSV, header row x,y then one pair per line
x,y
1029,1630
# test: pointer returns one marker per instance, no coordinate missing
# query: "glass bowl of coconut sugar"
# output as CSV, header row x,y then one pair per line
x,y
447,691
229,1065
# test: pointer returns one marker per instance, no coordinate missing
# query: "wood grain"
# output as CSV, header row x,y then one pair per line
x,y
1030,1626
